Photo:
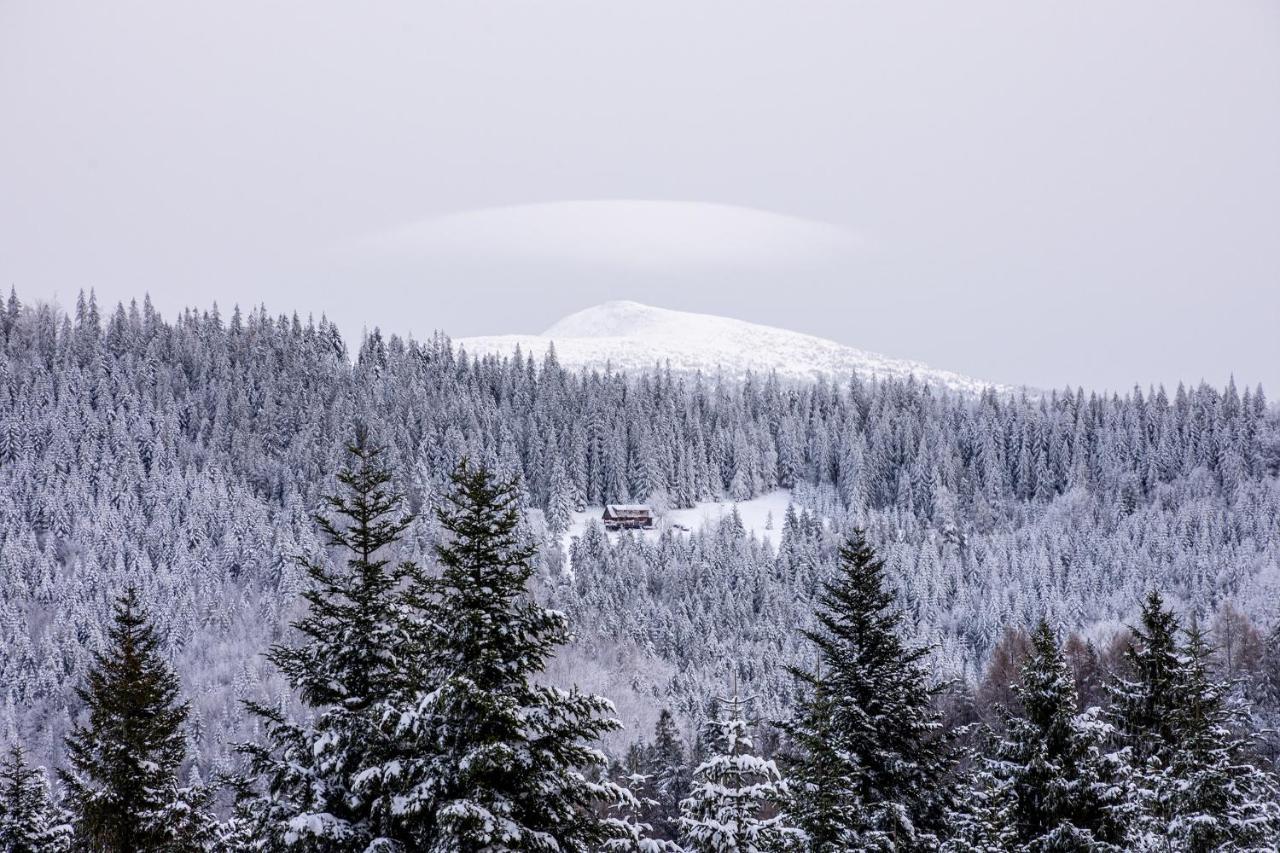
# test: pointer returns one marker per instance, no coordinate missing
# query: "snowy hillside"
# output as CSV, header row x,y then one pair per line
x,y
628,336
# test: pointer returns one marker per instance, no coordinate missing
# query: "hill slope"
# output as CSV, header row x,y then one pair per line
x,y
629,336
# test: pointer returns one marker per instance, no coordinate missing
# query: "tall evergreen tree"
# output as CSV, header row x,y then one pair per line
x,y
1265,693
320,793
29,820
824,799
187,824
733,804
871,770
502,761
1145,702
123,764
1047,784
983,820
560,499
1193,787
667,778
1216,799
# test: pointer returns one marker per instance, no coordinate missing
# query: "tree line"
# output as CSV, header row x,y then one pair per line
x,y
425,723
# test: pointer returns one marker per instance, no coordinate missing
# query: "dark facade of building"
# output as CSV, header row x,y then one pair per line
x,y
627,517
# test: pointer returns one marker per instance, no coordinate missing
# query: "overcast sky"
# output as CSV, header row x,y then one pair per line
x,y
1027,192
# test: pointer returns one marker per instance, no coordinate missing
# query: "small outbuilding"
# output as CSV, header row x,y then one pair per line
x,y
627,517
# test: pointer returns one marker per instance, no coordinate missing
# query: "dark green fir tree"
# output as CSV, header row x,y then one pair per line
x,y
667,778
504,761
318,794
1145,703
29,820
123,763
871,769
1193,786
1048,783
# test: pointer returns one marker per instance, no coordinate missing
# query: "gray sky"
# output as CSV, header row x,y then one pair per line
x,y
1041,193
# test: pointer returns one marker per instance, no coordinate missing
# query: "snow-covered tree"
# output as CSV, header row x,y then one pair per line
x,y
123,763
1193,786
983,819
871,769
659,775
668,775
187,824
498,761
29,821
1047,782
323,791
561,499
1214,797
823,800
733,804
1264,689
1146,698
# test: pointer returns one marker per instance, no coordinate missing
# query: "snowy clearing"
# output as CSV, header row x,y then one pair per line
x,y
761,516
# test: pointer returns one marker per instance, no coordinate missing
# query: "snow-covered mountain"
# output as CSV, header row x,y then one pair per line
x,y
628,336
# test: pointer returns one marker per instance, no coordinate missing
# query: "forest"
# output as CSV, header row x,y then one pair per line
x,y
1033,621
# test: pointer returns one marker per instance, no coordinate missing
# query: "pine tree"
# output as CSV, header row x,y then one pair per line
x,y
1144,705
123,764
983,820
1218,800
1265,693
1194,788
187,824
667,777
734,791
872,763
824,801
502,762
560,500
1047,782
320,793
29,821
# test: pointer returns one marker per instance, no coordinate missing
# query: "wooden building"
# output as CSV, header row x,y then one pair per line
x,y
627,517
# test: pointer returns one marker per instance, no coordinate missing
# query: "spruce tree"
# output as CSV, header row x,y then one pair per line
x,y
560,499
871,764
732,807
1047,784
187,823
668,777
708,740
1217,800
1145,703
501,762
29,821
124,763
1265,693
1193,786
824,799
319,793
982,821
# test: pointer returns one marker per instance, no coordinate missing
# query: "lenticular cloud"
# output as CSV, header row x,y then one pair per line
x,y
623,232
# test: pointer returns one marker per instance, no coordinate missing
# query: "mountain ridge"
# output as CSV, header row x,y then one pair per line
x,y
629,336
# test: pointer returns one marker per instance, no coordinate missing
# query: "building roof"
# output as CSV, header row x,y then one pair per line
x,y
627,509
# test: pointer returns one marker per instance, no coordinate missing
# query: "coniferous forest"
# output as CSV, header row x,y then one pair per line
x,y
262,592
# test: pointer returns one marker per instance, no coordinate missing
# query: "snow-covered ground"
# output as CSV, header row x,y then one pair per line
x,y
631,337
761,517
